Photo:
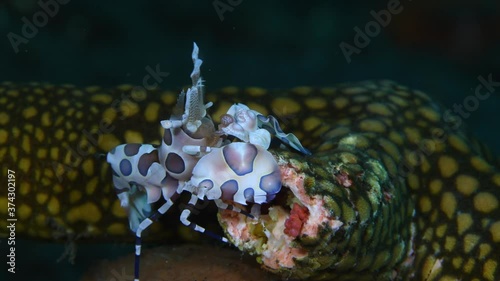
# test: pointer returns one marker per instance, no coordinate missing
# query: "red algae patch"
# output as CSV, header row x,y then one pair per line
x,y
298,215
274,237
182,263
318,214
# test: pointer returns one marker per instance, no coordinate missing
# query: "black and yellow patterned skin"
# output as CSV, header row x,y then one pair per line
x,y
53,136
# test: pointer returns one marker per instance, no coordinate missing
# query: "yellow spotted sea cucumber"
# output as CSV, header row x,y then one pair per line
x,y
408,179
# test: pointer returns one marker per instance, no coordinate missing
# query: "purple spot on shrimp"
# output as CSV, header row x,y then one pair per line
x,y
240,157
146,160
226,120
167,137
174,163
125,167
271,183
131,149
229,188
208,184
249,193
270,197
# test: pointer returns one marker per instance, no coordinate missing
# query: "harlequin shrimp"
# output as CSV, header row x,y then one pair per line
x,y
197,158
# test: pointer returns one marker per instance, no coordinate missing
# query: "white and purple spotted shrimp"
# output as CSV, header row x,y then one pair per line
x,y
194,157
238,172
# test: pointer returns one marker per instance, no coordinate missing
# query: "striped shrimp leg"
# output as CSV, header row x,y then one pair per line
x,y
136,169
